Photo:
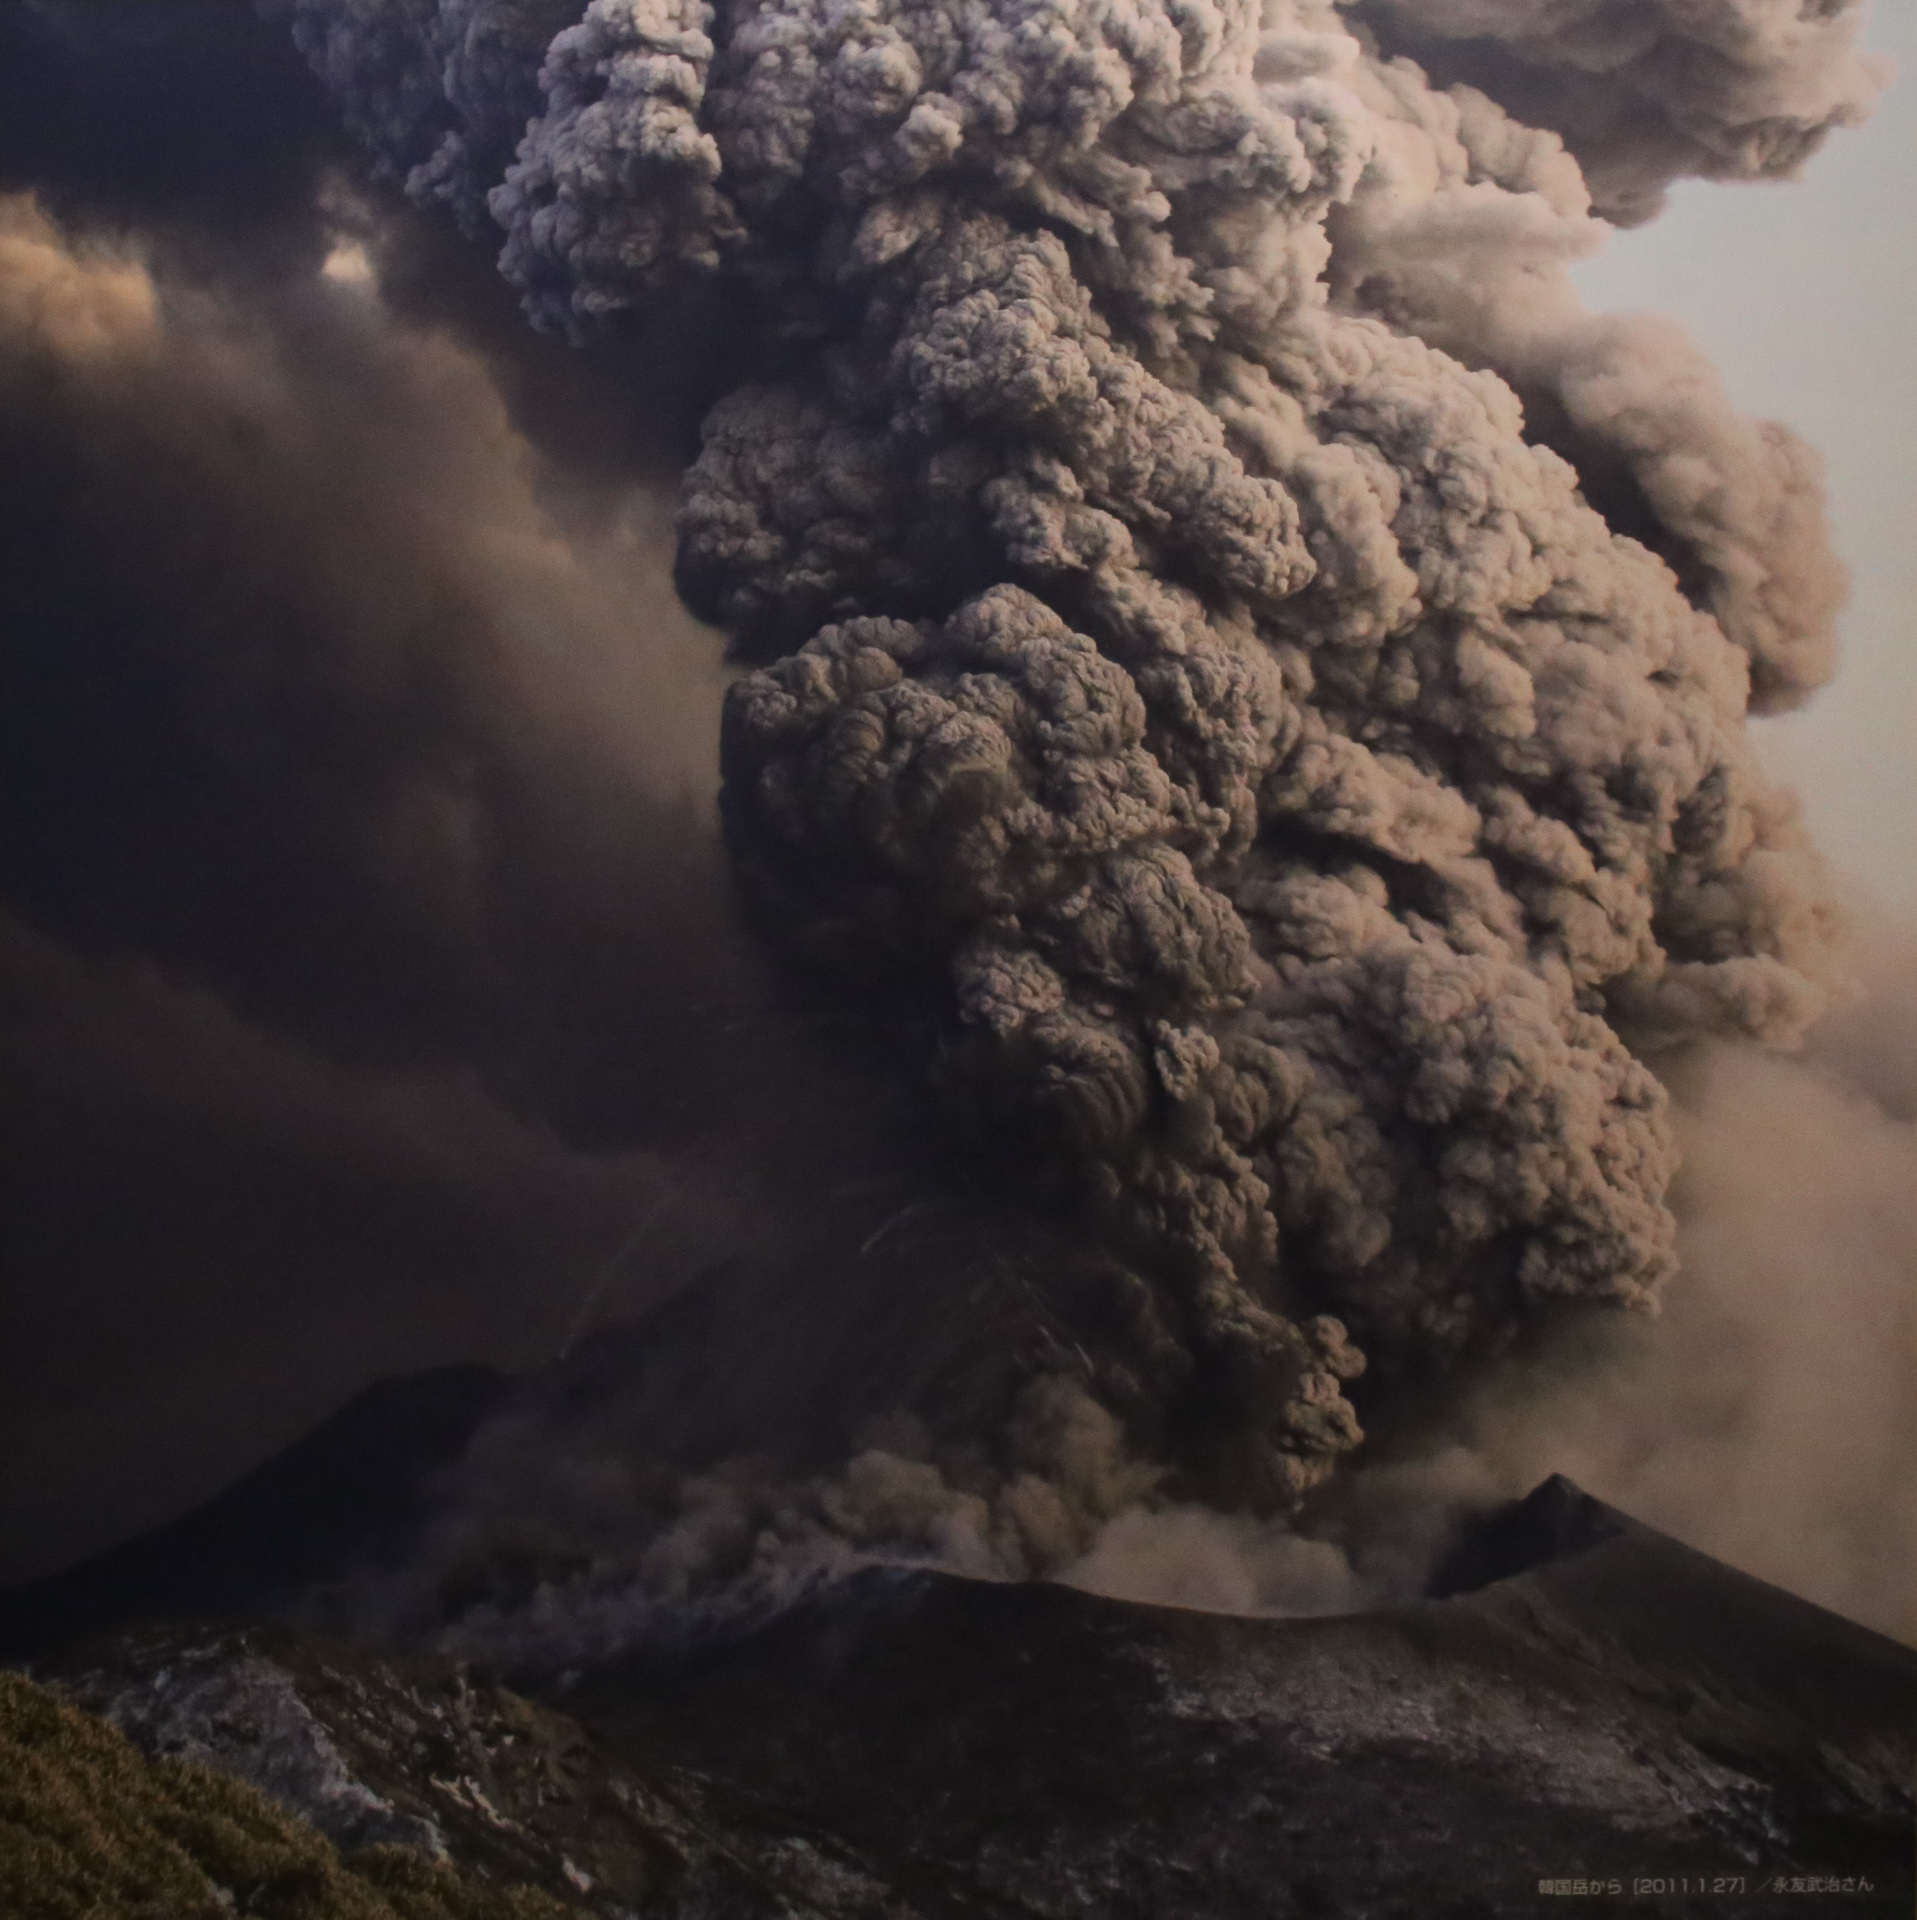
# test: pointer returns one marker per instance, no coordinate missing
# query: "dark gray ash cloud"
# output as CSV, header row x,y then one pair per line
x,y
1242,688
1645,93
365,932
1190,684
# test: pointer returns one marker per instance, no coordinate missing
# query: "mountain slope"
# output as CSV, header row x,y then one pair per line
x,y
90,1829
384,1751
349,1494
1582,1697
1627,1709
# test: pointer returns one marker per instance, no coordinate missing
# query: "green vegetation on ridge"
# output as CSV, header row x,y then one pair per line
x,y
90,1829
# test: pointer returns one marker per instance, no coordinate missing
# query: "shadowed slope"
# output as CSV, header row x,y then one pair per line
x,y
344,1495
1624,1707
1591,1699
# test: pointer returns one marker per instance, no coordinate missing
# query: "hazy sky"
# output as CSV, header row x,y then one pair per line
x,y
1805,297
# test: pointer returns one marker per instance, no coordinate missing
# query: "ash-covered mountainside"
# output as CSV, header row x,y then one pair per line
x,y
353,1492
93,1829
1627,1709
382,1752
904,1742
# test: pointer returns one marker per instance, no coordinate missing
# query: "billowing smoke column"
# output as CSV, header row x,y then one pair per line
x,y
1242,656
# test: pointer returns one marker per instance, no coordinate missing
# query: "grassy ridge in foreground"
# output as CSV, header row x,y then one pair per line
x,y
92,1830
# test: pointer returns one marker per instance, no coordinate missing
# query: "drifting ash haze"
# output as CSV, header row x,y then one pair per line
x,y
1244,687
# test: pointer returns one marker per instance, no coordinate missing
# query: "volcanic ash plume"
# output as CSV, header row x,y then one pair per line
x,y
1186,681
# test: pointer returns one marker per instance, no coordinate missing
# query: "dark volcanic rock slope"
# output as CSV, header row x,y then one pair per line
x,y
1590,1703
1632,1711
347,1497
378,1751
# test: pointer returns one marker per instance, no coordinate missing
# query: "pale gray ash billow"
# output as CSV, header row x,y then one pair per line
x,y
1238,654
